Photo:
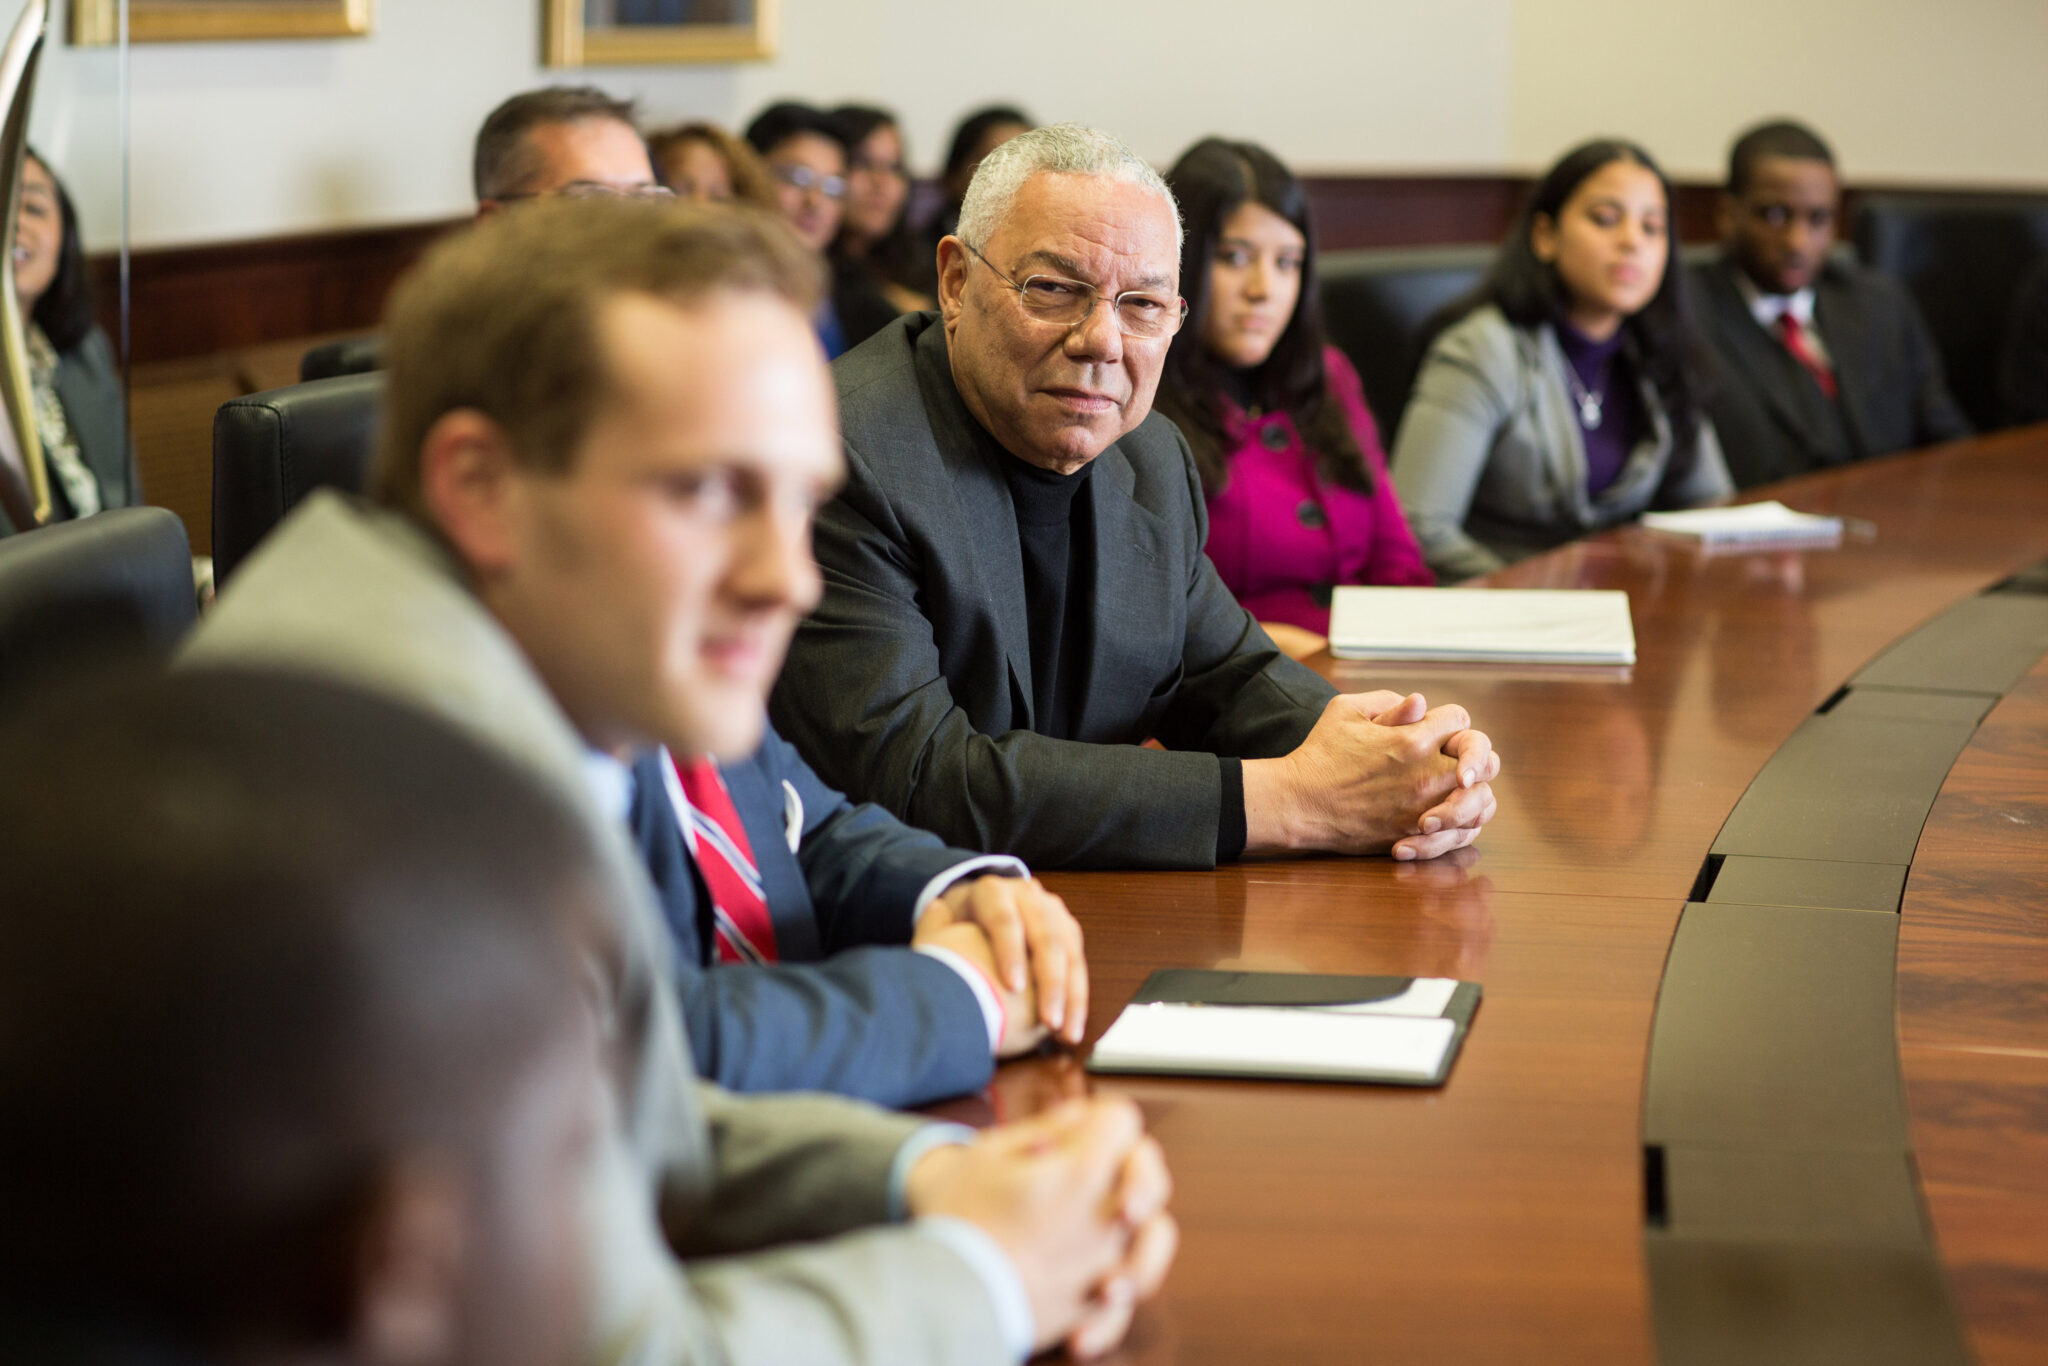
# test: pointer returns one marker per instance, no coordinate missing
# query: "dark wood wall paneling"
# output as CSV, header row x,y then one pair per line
x,y
202,300
1418,211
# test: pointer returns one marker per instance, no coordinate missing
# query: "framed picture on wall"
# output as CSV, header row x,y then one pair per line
x,y
637,32
155,21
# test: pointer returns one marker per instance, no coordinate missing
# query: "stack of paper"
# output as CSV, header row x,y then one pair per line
x,y
1291,1026
1483,625
1752,525
1274,1041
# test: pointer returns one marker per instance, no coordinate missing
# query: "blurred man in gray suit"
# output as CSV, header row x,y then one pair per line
x,y
606,427
1015,592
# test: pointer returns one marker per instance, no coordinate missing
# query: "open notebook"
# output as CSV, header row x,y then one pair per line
x,y
1483,625
1293,1026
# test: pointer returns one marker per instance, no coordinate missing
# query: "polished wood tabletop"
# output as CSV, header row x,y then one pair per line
x,y
1973,1025
1500,1218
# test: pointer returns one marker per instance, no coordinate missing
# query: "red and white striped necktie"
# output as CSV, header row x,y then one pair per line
x,y
741,929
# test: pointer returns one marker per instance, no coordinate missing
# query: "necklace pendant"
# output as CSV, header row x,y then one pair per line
x,y
1589,411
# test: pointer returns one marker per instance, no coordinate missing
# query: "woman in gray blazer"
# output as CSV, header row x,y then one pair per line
x,y
77,386
1562,395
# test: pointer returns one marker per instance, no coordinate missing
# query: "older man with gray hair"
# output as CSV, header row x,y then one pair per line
x,y
1016,597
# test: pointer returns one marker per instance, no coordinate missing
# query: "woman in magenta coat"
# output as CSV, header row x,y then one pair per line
x,y
1299,499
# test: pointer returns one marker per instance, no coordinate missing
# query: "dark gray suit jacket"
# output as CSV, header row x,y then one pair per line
x,y
911,684
1773,419
89,386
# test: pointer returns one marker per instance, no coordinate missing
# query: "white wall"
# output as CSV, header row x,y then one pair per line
x,y
1914,91
234,140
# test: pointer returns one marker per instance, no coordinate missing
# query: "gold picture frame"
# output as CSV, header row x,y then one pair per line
x,y
729,31
96,22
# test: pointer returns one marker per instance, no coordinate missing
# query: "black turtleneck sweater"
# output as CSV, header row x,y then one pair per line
x,y
1056,535
1056,532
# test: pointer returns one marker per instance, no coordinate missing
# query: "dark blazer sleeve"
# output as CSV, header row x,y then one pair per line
x,y
887,1025
1238,694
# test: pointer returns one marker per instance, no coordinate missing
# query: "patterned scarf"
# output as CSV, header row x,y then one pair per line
x,y
60,447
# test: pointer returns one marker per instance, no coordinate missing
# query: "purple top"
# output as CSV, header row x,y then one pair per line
x,y
1600,368
1281,537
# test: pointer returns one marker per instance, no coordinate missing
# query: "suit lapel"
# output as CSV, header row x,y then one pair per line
x,y
1775,375
1133,580
758,797
1841,327
659,839
986,527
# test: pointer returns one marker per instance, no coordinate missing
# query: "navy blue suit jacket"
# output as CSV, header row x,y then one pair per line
x,y
848,1008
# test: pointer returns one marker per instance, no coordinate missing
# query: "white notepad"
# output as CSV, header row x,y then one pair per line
x,y
1753,525
1483,625
1315,1044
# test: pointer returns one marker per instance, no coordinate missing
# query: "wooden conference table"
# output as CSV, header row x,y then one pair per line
x,y
1502,1218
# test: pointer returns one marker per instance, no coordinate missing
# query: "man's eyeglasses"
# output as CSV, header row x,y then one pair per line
x,y
804,179
593,189
1070,302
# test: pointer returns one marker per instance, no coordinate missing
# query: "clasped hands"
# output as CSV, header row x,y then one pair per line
x,y
1076,1198
1026,942
1379,773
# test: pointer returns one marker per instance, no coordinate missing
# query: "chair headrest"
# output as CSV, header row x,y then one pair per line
x,y
272,449
109,587
348,356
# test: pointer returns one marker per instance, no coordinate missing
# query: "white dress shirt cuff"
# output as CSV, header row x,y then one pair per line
x,y
920,1142
992,1013
992,1266
985,864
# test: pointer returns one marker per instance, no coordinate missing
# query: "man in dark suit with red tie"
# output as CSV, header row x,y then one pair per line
x,y
1822,361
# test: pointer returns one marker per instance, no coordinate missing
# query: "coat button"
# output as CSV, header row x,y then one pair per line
x,y
1273,436
1311,514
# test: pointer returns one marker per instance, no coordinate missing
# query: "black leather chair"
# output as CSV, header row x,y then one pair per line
x,y
101,590
1375,303
272,449
1961,258
347,356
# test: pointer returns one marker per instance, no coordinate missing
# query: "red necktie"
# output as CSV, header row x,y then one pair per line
x,y
741,929
1802,351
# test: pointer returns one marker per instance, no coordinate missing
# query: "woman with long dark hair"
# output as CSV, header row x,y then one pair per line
x,y
876,248
806,152
974,137
80,415
1564,394
1299,499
